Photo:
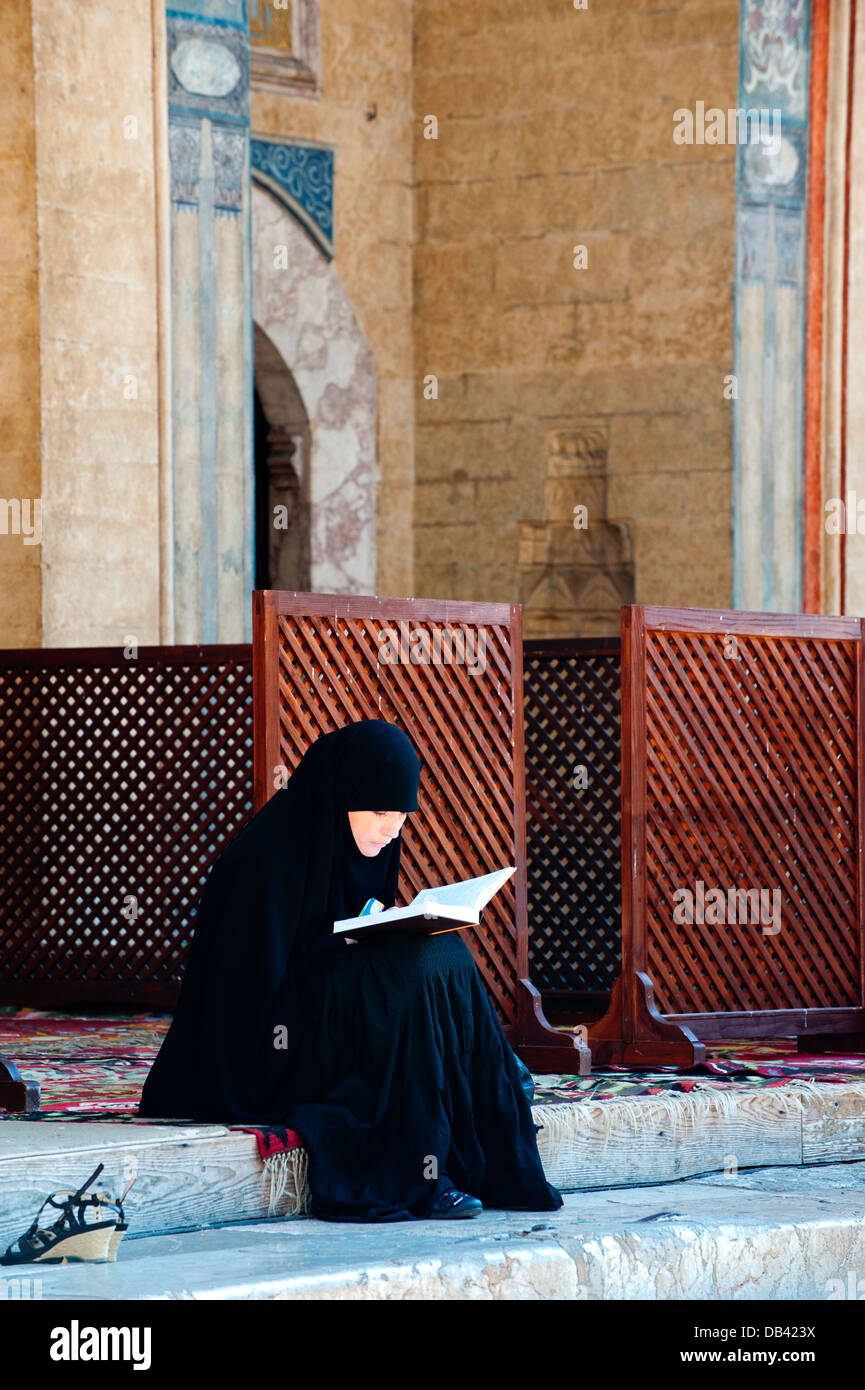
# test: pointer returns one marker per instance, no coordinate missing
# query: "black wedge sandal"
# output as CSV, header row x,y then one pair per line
x,y
104,1199
71,1237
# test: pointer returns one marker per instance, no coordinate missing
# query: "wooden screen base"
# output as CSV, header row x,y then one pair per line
x,y
542,1047
830,1042
633,1033
16,1094
640,1036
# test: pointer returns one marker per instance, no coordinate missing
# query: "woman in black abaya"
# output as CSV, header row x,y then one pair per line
x,y
386,1056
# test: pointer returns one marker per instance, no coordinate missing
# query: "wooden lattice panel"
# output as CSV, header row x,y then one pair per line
x,y
742,775
318,667
571,700
122,780
751,784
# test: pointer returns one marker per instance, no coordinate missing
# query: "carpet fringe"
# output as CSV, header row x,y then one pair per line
x,y
285,1181
816,1087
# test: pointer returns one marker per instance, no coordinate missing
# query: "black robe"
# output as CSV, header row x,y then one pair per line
x,y
387,1056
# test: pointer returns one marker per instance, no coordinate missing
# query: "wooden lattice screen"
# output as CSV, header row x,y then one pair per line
x,y
573,774
742,749
122,778
450,675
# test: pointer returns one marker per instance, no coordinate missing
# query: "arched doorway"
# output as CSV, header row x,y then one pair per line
x,y
301,308
281,461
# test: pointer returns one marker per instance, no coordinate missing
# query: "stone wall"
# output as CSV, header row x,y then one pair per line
x,y
365,113
555,130
20,472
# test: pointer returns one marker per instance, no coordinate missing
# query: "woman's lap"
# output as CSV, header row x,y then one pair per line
x,y
404,1062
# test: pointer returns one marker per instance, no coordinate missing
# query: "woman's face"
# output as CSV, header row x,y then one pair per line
x,y
372,830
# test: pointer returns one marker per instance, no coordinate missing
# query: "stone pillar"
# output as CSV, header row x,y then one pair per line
x,y
769,356
208,101
576,566
289,529
20,402
96,210
854,480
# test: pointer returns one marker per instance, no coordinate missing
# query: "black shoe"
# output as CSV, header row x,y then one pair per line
x,y
453,1205
71,1237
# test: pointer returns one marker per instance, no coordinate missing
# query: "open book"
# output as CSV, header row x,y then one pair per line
x,y
433,910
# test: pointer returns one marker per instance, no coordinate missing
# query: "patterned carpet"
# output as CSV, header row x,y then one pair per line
x,y
729,1066
89,1066
93,1066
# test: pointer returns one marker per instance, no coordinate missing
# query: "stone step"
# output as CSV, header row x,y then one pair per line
x,y
193,1176
775,1233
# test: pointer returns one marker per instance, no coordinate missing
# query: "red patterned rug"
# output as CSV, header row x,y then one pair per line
x,y
728,1066
92,1067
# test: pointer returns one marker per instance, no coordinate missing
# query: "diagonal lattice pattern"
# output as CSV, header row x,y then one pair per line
x,y
462,724
751,784
121,782
571,693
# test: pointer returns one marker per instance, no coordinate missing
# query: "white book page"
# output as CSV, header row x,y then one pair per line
x,y
455,901
469,896
390,914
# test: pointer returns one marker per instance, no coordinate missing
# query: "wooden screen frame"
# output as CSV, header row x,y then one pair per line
x,y
541,1047
17,1095
633,1031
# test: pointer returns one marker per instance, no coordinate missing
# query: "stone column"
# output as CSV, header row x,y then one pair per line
x,y
289,529
20,398
95,200
769,357
854,548
208,100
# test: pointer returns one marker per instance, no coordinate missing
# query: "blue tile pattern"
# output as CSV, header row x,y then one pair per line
x,y
304,174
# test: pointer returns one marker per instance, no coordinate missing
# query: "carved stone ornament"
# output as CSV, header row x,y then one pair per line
x,y
576,566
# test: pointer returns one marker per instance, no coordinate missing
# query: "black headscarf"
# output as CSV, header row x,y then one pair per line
x,y
267,914
373,760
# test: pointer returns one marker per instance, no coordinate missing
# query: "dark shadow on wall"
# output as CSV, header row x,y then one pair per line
x,y
281,462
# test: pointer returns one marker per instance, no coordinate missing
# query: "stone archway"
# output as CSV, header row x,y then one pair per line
x,y
299,302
